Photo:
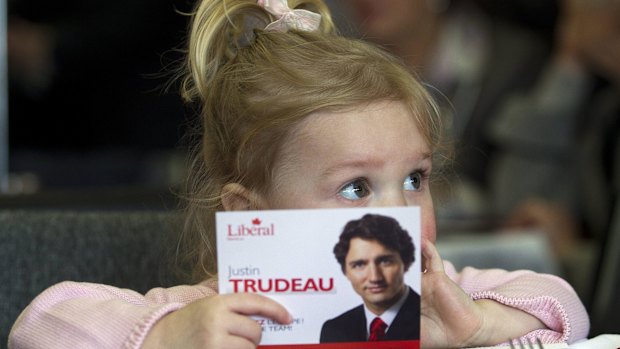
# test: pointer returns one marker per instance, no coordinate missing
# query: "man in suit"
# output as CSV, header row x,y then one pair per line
x,y
374,253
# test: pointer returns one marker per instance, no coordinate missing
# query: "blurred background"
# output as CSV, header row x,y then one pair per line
x,y
529,91
85,107
89,122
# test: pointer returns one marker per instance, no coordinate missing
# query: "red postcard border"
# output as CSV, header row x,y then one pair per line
x,y
350,345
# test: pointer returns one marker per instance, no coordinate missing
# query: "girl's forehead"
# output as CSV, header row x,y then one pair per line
x,y
380,131
366,120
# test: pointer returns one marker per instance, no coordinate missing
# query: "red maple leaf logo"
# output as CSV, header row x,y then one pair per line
x,y
256,221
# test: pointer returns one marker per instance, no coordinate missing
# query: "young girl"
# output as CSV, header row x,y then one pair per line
x,y
295,116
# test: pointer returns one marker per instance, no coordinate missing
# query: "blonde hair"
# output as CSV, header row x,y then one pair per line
x,y
254,86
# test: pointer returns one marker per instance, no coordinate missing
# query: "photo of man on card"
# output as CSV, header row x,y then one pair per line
x,y
374,253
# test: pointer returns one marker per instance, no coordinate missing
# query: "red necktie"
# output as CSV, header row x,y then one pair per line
x,y
377,330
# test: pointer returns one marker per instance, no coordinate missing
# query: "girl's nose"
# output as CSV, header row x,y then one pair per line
x,y
392,198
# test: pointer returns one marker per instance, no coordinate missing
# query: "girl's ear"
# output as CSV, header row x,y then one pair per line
x,y
236,197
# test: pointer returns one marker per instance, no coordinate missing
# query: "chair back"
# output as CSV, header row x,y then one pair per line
x,y
39,248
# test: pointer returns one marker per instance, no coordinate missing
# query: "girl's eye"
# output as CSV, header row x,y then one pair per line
x,y
355,190
413,181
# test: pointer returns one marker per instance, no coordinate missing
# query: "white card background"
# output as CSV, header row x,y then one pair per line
x,y
297,244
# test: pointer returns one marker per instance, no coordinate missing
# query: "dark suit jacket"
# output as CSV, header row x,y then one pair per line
x,y
351,326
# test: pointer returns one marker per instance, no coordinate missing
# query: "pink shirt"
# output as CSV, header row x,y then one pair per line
x,y
84,315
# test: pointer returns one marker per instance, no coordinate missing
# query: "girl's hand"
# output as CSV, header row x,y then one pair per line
x,y
451,319
221,321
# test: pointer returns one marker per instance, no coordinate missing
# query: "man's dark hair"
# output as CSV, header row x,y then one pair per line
x,y
373,227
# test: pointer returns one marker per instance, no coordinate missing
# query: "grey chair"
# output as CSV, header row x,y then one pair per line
x,y
39,248
606,303
605,312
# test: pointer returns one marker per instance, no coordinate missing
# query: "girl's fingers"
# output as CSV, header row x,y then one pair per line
x,y
245,327
431,261
255,304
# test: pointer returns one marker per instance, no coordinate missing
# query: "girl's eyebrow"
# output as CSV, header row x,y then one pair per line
x,y
370,163
361,163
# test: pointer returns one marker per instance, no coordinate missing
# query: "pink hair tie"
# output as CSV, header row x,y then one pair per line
x,y
288,19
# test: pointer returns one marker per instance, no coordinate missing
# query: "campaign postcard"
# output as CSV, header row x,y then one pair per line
x,y
351,278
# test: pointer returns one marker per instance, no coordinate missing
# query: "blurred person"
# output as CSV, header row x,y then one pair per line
x,y
588,48
30,55
543,129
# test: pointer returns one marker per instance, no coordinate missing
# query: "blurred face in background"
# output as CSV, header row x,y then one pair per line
x,y
387,21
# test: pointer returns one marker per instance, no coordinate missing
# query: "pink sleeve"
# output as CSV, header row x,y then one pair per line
x,y
545,296
84,315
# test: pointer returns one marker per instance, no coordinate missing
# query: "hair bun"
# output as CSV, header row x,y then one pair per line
x,y
219,28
